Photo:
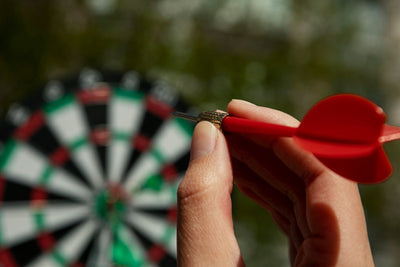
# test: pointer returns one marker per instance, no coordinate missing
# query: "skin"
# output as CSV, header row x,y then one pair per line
x,y
320,212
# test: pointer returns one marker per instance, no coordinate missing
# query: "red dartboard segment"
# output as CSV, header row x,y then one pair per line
x,y
173,215
157,107
169,172
172,171
46,241
156,253
94,95
59,156
6,258
103,110
34,123
100,136
141,142
39,197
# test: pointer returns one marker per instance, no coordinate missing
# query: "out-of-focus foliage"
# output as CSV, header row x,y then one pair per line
x,y
284,54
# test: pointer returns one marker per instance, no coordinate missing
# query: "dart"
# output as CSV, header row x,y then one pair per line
x,y
345,132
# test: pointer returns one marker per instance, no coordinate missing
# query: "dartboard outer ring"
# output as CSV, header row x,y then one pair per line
x,y
89,168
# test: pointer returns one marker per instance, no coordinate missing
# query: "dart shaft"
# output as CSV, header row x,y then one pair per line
x,y
239,125
185,116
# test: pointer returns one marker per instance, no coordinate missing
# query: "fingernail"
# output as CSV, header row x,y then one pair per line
x,y
204,139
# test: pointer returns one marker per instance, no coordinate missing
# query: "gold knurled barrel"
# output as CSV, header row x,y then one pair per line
x,y
215,117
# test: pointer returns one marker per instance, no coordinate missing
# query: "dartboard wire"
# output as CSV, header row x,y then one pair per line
x,y
38,172
68,249
159,231
20,223
171,141
66,119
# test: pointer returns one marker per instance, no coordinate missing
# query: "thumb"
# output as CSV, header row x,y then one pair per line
x,y
205,229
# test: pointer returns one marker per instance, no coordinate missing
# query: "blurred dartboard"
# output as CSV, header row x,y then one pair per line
x,y
89,169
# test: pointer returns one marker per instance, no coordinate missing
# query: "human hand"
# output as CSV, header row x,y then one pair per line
x,y
320,212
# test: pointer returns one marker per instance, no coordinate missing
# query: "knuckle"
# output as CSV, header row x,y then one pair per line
x,y
193,183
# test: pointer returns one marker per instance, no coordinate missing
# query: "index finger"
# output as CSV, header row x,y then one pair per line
x,y
244,109
247,110
301,162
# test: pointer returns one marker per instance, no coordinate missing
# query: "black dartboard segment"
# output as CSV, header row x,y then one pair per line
x,y
89,169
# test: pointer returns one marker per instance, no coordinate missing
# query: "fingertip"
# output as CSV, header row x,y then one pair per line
x,y
245,109
236,103
242,101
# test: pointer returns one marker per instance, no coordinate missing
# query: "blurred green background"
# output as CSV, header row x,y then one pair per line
x,y
283,54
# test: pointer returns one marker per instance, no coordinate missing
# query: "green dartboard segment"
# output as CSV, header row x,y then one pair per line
x,y
123,253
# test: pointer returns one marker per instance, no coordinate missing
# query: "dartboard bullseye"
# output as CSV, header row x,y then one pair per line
x,y
89,169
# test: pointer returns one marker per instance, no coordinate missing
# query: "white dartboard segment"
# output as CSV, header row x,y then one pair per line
x,y
155,229
100,254
126,114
